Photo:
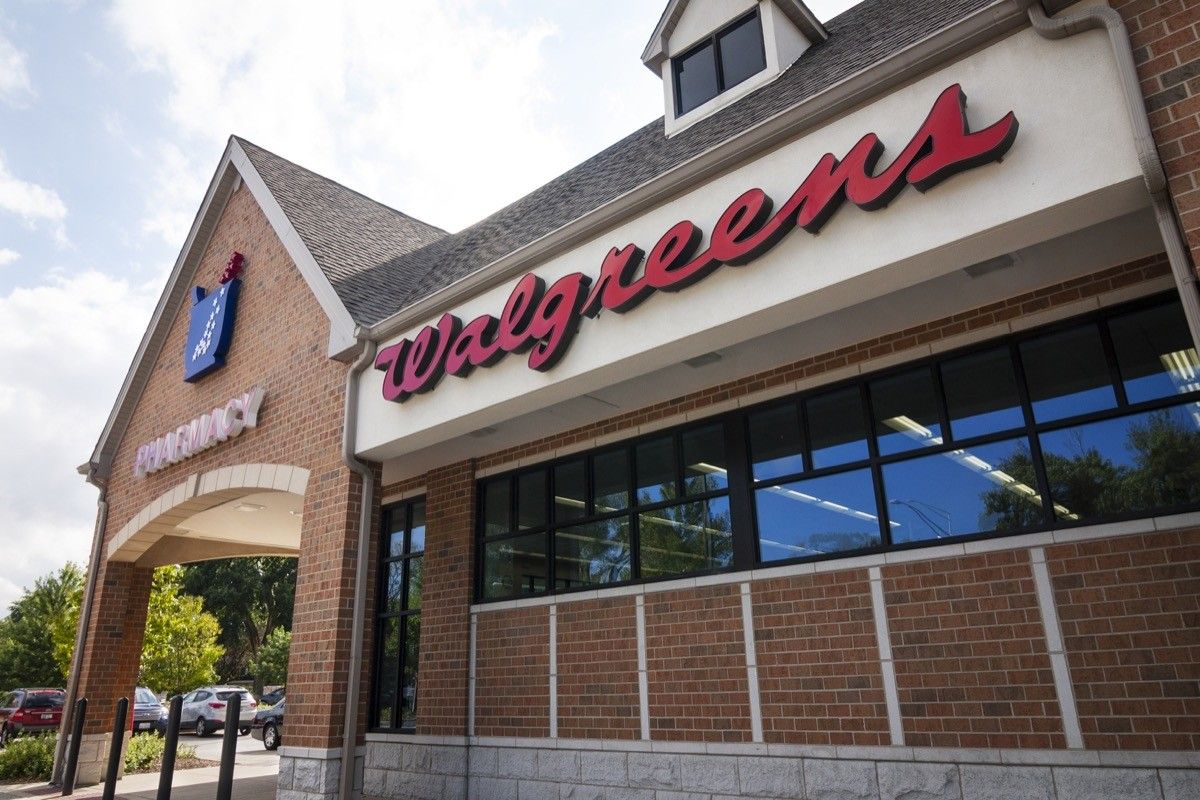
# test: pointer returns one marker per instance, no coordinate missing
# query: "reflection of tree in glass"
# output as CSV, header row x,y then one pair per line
x,y
594,552
1163,471
839,541
416,574
686,537
1006,509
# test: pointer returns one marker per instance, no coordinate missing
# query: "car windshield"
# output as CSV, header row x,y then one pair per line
x,y
44,701
145,696
246,698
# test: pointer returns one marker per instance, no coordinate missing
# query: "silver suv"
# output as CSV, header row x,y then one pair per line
x,y
204,709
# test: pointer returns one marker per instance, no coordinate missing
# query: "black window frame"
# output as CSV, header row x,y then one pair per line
x,y
384,561
741,484
714,39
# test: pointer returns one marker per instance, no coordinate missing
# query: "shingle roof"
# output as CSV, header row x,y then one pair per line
x,y
380,261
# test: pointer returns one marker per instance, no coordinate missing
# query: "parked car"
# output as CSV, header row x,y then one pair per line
x,y
268,726
30,711
149,714
204,709
272,697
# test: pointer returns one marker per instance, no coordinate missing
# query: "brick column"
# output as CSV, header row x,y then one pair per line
x,y
111,654
319,663
1166,46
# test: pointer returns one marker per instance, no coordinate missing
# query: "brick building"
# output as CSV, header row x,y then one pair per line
x,y
719,466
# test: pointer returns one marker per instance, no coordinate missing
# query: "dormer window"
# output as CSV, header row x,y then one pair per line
x,y
728,57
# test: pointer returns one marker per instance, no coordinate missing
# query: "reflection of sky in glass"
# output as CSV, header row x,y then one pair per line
x,y
901,402
946,494
817,516
591,553
655,461
835,423
1067,374
418,528
775,445
981,393
610,474
1154,352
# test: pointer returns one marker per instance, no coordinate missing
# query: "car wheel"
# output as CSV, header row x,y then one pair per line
x,y
244,731
201,728
270,737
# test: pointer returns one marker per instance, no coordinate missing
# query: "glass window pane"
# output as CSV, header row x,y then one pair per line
x,y
983,488
531,500
655,462
416,575
1067,374
570,491
906,411
389,669
395,543
836,427
610,473
830,514
592,553
1135,463
408,684
775,444
417,539
496,507
690,537
394,588
742,52
704,465
515,566
1155,353
981,393
696,78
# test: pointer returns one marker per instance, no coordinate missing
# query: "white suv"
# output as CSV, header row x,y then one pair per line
x,y
204,709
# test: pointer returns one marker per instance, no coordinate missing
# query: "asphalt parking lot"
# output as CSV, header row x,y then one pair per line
x,y
250,751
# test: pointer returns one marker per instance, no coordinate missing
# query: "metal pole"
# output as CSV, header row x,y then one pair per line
x,y
233,720
114,749
168,758
68,781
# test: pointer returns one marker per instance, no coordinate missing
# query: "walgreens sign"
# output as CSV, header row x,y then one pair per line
x,y
543,320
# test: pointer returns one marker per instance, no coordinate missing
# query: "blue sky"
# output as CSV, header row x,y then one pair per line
x,y
113,117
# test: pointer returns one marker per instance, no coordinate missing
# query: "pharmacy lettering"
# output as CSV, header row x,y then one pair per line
x,y
210,331
543,321
222,423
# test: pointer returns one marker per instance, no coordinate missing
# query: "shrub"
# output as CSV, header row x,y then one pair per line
x,y
28,758
144,751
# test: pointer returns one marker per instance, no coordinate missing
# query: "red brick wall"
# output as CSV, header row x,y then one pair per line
x,y
970,653
818,660
1130,615
446,600
1165,35
512,673
597,670
696,665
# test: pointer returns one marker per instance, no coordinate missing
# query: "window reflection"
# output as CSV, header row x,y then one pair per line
x,y
981,393
592,553
531,500
1125,465
408,684
984,488
570,491
496,507
655,462
1067,374
704,468
417,534
515,566
388,671
611,475
824,515
689,537
1154,352
906,411
837,427
775,443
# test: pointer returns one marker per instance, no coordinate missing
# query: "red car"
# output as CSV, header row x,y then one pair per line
x,y
30,711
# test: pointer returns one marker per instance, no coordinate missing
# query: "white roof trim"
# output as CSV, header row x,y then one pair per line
x,y
234,166
655,51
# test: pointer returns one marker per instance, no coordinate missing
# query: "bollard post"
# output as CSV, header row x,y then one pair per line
x,y
114,749
172,744
233,721
68,781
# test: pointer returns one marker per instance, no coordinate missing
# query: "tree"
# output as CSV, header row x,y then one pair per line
x,y
180,648
37,623
251,596
271,666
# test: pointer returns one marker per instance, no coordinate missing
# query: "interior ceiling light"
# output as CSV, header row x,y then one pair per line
x,y
991,265
249,507
704,359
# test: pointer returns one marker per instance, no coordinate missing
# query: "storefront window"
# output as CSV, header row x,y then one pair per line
x,y
1081,423
398,634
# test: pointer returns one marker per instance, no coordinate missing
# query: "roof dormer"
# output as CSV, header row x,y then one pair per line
x,y
709,53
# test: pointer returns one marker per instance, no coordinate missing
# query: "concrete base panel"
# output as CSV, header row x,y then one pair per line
x,y
93,758
308,778
399,771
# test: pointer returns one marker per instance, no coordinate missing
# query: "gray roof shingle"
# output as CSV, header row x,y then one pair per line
x,y
380,261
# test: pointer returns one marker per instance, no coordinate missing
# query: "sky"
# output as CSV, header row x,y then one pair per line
x,y
113,117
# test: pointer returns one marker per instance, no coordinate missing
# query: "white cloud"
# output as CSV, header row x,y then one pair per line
x,y
64,348
406,102
32,203
14,75
8,256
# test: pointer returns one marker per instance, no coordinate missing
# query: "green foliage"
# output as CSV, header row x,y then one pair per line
x,y
145,750
180,648
272,663
28,758
251,597
37,623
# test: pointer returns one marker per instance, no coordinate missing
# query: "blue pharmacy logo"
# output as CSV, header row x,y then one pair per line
x,y
211,330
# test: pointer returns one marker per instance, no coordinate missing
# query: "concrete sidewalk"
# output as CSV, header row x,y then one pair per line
x,y
250,782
